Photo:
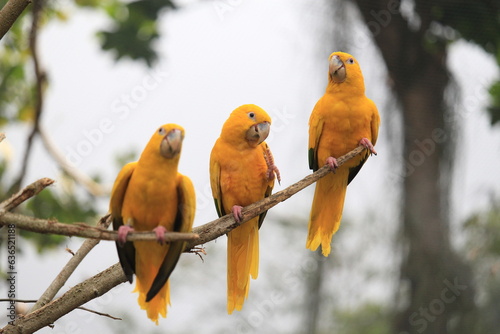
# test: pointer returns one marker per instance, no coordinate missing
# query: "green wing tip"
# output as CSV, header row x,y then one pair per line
x,y
312,161
217,207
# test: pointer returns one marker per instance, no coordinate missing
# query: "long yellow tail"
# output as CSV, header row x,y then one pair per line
x,y
149,257
242,262
326,211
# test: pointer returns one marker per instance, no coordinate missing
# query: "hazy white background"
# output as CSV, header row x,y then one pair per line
x,y
273,54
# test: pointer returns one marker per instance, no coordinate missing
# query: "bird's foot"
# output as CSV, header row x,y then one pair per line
x,y
198,251
272,170
332,163
123,231
237,213
366,143
160,234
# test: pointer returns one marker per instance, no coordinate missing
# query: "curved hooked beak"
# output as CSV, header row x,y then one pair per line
x,y
257,133
171,144
337,69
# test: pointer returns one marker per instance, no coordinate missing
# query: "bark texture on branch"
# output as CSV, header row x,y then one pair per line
x,y
70,267
80,294
9,14
82,229
26,193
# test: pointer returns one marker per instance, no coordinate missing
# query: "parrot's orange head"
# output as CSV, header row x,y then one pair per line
x,y
247,124
168,140
344,68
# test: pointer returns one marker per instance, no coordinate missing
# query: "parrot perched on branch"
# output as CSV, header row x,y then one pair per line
x,y
242,172
151,195
341,120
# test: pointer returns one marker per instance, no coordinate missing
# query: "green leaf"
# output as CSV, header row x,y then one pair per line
x,y
494,108
135,29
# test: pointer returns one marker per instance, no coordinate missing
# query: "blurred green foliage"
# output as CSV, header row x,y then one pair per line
x,y
483,251
132,34
64,207
16,85
367,319
135,28
476,21
124,158
494,107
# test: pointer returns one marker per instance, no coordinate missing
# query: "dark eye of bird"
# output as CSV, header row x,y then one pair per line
x,y
350,61
251,115
161,131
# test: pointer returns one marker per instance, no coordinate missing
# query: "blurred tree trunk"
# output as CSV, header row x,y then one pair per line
x,y
439,285
312,291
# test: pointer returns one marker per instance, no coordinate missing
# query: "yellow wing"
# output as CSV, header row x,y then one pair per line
x,y
183,223
126,253
215,184
315,130
375,124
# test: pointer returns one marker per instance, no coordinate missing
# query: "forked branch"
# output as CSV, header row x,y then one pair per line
x,y
111,277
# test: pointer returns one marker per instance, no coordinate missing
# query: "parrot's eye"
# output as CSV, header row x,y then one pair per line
x,y
251,115
350,61
162,131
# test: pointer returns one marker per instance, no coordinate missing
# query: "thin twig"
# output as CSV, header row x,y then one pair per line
x,y
2,136
15,300
83,230
98,313
70,267
9,14
40,82
26,193
92,187
27,301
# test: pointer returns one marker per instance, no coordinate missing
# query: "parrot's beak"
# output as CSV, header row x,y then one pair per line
x,y
337,69
257,133
171,144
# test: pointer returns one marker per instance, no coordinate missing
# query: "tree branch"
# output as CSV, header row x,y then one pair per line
x,y
202,234
101,283
40,82
16,300
80,294
26,301
98,313
90,185
70,267
82,229
223,225
9,14
28,192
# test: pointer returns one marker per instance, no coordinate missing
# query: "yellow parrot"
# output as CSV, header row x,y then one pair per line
x,y
341,120
242,172
151,195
